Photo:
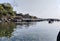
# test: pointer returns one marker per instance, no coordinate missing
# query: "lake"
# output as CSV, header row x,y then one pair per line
x,y
29,31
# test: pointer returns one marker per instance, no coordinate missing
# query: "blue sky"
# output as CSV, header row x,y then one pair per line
x,y
39,8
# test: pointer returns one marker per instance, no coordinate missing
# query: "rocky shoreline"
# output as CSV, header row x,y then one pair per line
x,y
7,14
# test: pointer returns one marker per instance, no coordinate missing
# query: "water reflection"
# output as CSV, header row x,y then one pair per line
x,y
6,28
25,37
24,24
36,32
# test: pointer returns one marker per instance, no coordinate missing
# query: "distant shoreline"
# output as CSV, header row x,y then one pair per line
x,y
32,20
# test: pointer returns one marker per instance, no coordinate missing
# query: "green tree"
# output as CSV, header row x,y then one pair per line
x,y
6,10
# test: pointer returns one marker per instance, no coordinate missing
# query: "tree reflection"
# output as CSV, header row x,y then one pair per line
x,y
6,29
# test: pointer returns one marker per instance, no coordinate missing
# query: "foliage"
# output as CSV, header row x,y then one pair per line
x,y
6,9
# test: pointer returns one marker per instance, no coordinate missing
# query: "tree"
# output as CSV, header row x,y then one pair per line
x,y
6,10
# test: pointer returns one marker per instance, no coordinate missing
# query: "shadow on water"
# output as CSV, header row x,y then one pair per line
x,y
7,28
58,36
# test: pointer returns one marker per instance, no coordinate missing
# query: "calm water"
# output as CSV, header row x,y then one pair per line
x,y
39,31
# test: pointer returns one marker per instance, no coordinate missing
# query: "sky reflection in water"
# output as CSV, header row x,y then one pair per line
x,y
32,31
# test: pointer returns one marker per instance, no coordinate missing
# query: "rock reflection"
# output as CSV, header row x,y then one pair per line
x,y
25,24
6,28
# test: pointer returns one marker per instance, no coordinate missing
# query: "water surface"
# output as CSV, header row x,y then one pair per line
x,y
32,31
